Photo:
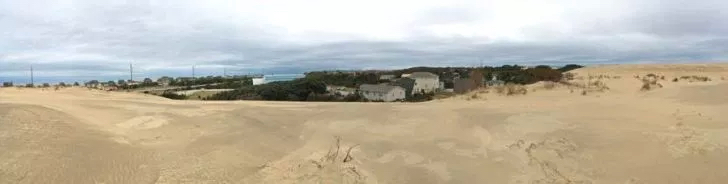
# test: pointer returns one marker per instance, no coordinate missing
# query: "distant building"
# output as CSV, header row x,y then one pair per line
x,y
164,81
464,85
406,83
132,83
425,82
477,77
381,92
258,80
386,77
494,81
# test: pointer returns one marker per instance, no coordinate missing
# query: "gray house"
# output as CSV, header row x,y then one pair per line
x,y
381,92
464,85
386,77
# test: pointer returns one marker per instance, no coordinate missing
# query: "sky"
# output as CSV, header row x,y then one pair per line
x,y
86,39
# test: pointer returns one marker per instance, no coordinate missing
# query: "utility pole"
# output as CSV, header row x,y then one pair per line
x,y
32,81
224,72
131,73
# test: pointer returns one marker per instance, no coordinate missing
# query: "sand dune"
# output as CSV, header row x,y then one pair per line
x,y
674,134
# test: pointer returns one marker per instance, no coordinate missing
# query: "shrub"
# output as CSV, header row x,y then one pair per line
x,y
353,98
675,80
512,89
695,78
549,85
45,85
649,85
7,84
569,76
174,96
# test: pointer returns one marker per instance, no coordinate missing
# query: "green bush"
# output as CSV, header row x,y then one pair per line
x,y
174,96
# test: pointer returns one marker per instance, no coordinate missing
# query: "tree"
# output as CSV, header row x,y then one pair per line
x,y
148,81
302,88
273,92
62,84
92,83
111,83
76,84
45,85
7,84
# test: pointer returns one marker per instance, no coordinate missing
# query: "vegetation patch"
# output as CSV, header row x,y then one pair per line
x,y
173,96
511,89
695,78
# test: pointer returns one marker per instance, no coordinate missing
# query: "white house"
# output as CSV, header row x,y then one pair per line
x,y
258,80
425,81
381,92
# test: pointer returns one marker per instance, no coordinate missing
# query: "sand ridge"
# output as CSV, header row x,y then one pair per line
x,y
673,134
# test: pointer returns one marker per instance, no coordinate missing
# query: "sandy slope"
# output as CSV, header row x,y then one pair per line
x,y
675,134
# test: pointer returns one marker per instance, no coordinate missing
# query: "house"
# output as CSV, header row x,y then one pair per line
x,y
406,83
494,81
477,77
464,85
425,82
164,81
258,80
386,77
381,92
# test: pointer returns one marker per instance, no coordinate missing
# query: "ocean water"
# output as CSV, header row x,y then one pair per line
x,y
282,77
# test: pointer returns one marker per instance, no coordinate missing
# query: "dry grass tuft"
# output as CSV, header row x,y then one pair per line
x,y
649,84
695,78
549,85
511,89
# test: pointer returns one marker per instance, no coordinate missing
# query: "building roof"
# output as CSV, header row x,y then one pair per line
x,y
422,75
379,88
386,76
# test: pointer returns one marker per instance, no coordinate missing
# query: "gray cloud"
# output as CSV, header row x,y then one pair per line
x,y
89,38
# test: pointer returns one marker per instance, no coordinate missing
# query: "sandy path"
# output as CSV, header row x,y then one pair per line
x,y
675,134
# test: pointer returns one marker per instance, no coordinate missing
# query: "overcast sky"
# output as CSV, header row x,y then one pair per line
x,y
87,38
